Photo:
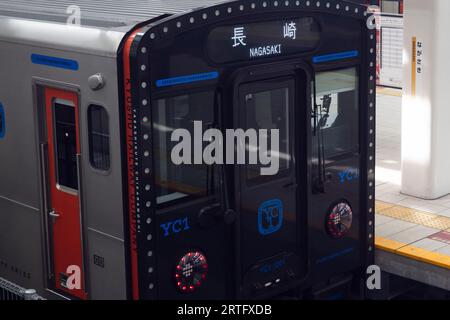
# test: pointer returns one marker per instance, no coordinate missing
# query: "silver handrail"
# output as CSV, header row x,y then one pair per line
x,y
11,291
46,208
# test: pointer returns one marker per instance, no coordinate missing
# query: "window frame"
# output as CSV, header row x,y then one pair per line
x,y
71,104
347,66
216,106
284,82
95,169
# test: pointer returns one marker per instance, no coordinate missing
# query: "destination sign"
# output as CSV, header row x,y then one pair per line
x,y
263,39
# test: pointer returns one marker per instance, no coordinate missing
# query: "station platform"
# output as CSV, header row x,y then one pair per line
x,y
412,235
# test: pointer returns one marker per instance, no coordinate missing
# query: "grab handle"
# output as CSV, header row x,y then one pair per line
x,y
53,214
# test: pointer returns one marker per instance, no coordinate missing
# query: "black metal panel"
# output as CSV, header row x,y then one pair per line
x,y
152,44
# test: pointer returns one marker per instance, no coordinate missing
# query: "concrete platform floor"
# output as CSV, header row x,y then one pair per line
x,y
412,235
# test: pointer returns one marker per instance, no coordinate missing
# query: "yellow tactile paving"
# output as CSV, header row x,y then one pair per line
x,y
414,216
408,214
417,217
389,91
381,206
442,223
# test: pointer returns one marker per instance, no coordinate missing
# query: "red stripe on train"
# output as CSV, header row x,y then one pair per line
x,y
130,165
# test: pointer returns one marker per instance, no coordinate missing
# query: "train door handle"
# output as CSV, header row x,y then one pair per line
x,y
211,214
53,214
207,216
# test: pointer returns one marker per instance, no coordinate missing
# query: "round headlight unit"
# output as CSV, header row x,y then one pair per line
x,y
191,271
339,220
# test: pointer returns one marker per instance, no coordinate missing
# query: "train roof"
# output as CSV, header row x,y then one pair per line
x,y
104,13
43,23
104,23
110,14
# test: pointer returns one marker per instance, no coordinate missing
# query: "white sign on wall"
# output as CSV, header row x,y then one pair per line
x,y
418,57
391,72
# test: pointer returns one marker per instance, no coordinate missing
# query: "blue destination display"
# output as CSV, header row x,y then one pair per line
x,y
55,62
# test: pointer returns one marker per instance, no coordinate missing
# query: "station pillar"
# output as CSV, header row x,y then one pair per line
x,y
426,99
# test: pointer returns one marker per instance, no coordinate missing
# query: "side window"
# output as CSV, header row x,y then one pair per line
x,y
338,114
187,181
99,149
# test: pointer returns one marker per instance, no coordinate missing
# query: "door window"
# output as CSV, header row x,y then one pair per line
x,y
269,110
66,145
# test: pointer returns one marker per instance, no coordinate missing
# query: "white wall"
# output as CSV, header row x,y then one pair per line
x,y
426,114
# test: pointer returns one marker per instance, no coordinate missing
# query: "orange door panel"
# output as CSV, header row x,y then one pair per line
x,y
61,109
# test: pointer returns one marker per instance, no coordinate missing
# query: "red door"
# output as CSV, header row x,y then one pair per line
x,y
61,109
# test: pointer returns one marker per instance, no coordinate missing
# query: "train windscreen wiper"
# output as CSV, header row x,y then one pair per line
x,y
229,214
223,209
320,116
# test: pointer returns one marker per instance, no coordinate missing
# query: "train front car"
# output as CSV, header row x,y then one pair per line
x,y
294,76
